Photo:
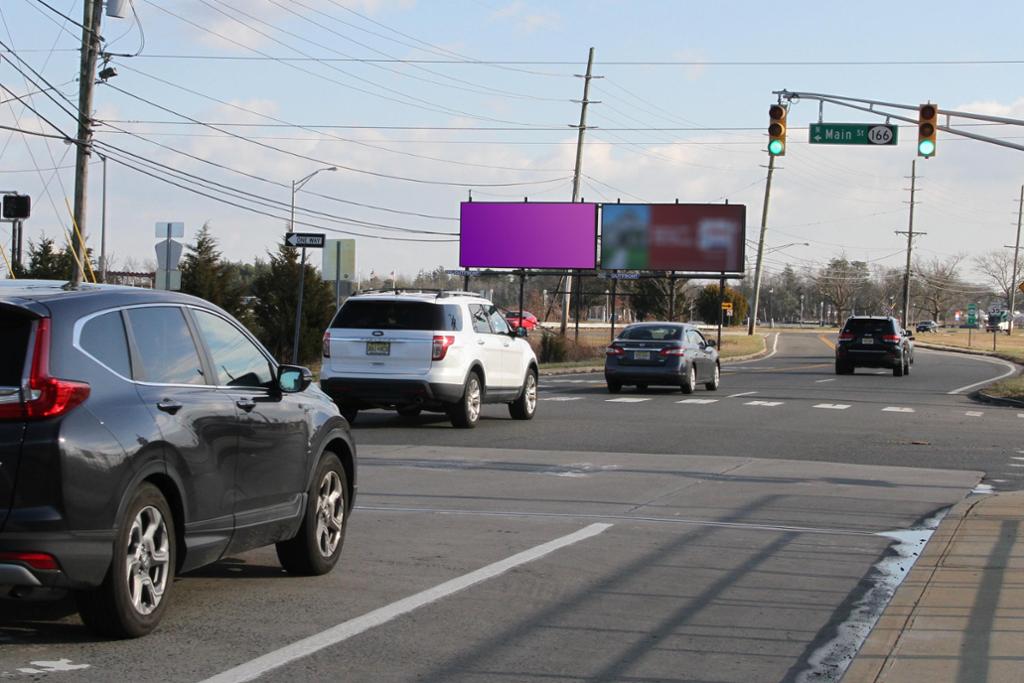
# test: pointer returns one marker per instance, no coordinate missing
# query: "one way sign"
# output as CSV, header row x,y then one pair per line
x,y
306,240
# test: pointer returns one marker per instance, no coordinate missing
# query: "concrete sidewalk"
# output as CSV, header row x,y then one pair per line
x,y
959,616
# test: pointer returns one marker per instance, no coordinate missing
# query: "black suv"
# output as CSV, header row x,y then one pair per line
x,y
146,433
874,342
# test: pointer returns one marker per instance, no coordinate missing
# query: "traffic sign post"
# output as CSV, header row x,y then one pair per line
x,y
305,240
853,134
168,253
972,320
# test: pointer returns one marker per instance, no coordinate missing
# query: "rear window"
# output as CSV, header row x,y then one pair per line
x,y
14,334
398,315
652,332
865,326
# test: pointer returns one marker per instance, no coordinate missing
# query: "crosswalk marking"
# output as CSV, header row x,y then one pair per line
x,y
745,393
1016,458
1016,464
895,409
833,406
626,399
1020,414
974,413
562,398
702,401
767,404
819,381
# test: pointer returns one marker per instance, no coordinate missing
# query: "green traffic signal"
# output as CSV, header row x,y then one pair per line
x,y
776,147
926,148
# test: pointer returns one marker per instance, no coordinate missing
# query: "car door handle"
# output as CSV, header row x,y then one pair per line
x,y
246,404
481,342
169,406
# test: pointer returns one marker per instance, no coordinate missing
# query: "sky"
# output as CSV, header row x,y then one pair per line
x,y
480,96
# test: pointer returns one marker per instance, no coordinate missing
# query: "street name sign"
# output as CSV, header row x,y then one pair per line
x,y
853,134
306,240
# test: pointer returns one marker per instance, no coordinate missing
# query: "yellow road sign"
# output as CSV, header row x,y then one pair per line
x,y
727,305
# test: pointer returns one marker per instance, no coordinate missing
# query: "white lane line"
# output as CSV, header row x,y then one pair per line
x,y
775,349
1014,464
974,413
833,406
745,393
819,381
626,399
767,404
894,409
563,398
1017,458
705,401
1010,369
345,630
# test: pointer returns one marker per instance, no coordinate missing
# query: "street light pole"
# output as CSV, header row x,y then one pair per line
x,y
296,186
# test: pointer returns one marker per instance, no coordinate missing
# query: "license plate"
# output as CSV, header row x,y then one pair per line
x,y
641,355
867,340
378,348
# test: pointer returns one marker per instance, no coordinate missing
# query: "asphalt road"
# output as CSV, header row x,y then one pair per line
x,y
603,541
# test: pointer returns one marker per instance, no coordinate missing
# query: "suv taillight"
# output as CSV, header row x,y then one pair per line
x,y
846,336
46,396
894,338
442,342
327,344
615,351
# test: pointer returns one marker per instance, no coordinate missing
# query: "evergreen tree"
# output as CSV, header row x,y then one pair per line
x,y
276,291
206,275
708,308
45,262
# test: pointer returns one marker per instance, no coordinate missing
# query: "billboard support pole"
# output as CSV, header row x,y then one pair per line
x,y
760,246
522,285
337,274
576,315
721,311
576,173
671,295
612,317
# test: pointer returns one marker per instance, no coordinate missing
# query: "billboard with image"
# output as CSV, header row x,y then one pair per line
x,y
527,235
697,238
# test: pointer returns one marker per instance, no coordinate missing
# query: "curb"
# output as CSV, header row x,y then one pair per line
x,y
883,642
982,397
968,351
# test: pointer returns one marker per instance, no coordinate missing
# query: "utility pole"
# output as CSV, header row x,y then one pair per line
x,y
909,232
103,226
1016,256
92,13
567,292
752,323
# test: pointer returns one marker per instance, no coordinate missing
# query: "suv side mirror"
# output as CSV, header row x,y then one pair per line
x,y
520,332
711,343
292,379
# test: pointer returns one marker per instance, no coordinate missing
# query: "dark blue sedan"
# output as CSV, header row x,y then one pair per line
x,y
661,354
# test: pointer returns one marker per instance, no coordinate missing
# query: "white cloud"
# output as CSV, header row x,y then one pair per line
x,y
1014,109
524,18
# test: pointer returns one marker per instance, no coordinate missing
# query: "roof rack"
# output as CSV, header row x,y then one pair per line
x,y
438,293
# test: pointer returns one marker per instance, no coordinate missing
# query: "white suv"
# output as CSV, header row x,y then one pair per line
x,y
437,351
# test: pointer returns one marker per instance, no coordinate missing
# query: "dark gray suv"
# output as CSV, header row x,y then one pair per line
x,y
144,434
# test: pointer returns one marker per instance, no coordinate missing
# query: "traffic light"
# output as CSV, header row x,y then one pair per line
x,y
927,127
777,130
17,206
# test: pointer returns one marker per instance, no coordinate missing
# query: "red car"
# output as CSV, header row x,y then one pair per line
x,y
527,320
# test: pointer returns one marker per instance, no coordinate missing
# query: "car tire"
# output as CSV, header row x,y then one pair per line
x,y
134,594
316,548
349,414
898,370
690,383
716,379
525,407
614,387
843,369
465,413
410,411
906,368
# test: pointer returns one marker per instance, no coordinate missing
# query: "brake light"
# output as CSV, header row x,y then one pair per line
x,y
442,342
846,336
41,561
672,351
894,338
46,396
327,344
615,351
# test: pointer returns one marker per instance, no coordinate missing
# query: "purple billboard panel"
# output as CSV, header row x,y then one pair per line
x,y
527,235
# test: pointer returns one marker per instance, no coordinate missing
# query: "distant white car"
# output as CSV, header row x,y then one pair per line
x,y
437,351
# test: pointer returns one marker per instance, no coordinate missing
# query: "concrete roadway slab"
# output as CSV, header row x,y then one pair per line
x,y
714,569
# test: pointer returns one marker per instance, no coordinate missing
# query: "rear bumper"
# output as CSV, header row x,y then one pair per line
x,y
387,393
83,559
669,375
881,358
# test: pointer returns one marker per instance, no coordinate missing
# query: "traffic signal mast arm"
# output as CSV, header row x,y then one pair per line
x,y
857,103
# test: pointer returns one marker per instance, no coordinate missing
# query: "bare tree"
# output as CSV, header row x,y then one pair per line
x,y
997,267
840,282
940,287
